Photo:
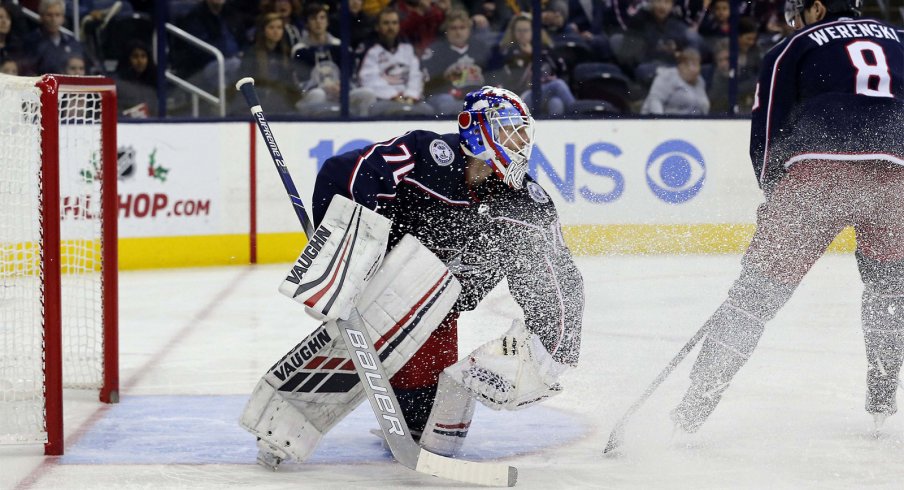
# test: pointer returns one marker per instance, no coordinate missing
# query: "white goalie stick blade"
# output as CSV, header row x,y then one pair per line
x,y
489,474
395,430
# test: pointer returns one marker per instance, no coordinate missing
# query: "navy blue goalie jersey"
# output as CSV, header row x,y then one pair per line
x,y
832,91
483,233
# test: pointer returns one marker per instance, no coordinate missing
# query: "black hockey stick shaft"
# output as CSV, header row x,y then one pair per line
x,y
617,435
246,87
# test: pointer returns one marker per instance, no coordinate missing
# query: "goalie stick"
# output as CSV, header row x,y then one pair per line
x,y
370,370
618,433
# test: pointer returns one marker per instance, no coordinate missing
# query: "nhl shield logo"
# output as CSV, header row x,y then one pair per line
x,y
442,152
537,193
125,161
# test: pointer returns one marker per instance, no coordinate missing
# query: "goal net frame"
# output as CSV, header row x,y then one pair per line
x,y
101,92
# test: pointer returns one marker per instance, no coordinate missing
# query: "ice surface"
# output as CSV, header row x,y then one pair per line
x,y
194,342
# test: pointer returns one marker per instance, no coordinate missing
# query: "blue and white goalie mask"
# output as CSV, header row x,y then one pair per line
x,y
496,127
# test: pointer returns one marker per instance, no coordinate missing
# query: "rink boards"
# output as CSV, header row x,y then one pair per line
x,y
207,194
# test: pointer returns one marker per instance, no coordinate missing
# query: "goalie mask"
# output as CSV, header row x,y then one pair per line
x,y
496,127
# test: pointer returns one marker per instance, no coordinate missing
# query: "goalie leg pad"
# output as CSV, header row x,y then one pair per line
x,y
282,430
339,259
302,396
315,385
407,299
450,418
734,331
882,314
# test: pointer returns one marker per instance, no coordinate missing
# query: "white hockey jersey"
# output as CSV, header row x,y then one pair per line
x,y
390,73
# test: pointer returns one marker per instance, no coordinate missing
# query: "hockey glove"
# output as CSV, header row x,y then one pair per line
x,y
510,373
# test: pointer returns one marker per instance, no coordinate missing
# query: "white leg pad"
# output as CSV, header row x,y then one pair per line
x,y
277,422
338,261
449,421
406,300
314,386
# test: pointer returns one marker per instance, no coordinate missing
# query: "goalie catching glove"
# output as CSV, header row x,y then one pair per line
x,y
510,373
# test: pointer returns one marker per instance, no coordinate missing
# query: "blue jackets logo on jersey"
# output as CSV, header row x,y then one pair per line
x,y
441,152
537,193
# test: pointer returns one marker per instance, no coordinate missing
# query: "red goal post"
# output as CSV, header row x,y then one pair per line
x,y
58,250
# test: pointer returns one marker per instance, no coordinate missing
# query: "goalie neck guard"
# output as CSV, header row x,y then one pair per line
x,y
496,127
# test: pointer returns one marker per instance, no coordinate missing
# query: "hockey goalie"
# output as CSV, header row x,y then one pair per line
x,y
411,232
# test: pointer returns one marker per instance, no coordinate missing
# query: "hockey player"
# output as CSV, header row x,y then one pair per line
x,y
467,198
828,152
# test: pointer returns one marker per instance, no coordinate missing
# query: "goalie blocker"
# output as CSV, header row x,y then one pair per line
x,y
401,300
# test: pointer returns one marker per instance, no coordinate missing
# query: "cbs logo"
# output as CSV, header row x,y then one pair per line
x,y
675,171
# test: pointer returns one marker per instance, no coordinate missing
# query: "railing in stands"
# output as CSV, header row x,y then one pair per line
x,y
197,92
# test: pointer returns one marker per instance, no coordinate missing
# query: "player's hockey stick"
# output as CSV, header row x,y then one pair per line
x,y
617,435
246,87
367,363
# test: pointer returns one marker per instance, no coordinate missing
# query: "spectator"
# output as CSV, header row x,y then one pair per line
x,y
454,65
718,84
290,11
362,25
554,21
136,82
691,11
678,90
769,16
495,15
317,23
9,67
75,65
214,22
21,25
716,23
622,13
587,18
391,69
654,36
420,22
268,62
11,43
48,47
750,56
516,50
318,56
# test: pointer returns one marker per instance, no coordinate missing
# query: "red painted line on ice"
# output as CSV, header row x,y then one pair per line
x,y
186,330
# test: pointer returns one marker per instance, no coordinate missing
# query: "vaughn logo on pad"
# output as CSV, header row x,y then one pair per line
x,y
339,259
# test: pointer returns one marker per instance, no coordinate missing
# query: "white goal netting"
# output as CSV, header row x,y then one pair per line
x,y
23,280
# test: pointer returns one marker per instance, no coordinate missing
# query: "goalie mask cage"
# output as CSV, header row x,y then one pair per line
x,y
58,262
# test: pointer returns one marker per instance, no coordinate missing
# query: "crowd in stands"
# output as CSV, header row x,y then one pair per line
x,y
412,57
